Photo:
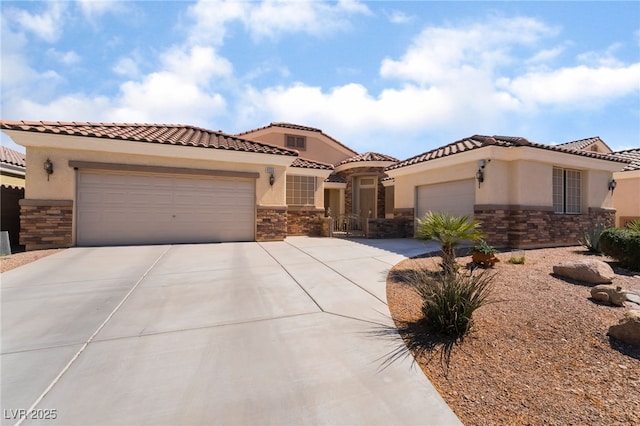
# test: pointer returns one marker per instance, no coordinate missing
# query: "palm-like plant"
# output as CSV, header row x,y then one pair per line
x,y
450,231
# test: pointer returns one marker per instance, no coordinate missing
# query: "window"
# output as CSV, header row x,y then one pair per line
x,y
567,191
296,142
301,190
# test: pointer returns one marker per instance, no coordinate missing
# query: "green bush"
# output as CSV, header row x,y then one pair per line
x,y
623,245
591,238
450,299
481,246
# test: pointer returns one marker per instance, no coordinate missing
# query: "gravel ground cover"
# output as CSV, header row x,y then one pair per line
x,y
541,355
15,260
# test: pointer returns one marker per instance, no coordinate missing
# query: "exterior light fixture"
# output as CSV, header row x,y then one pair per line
x,y
272,177
48,167
480,172
612,185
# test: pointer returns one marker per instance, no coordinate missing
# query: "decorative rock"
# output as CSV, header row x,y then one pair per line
x,y
609,294
591,271
628,329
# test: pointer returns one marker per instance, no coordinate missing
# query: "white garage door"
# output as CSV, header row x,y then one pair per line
x,y
117,208
457,198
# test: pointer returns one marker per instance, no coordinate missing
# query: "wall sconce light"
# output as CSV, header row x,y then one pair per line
x,y
272,177
480,172
480,176
48,167
612,185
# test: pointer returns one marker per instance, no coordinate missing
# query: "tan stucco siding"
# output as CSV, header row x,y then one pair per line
x,y
318,148
62,183
626,197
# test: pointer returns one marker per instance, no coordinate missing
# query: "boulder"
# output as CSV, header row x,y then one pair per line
x,y
610,294
628,329
592,271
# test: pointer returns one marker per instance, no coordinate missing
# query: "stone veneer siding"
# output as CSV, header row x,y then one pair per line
x,y
530,227
271,223
305,221
398,227
363,171
46,224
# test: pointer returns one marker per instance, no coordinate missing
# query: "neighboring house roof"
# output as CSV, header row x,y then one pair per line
x,y
297,127
10,156
310,164
368,156
632,155
170,134
584,143
12,187
479,141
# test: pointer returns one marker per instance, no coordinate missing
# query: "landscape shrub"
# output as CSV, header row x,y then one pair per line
x,y
450,299
623,245
450,231
591,238
634,225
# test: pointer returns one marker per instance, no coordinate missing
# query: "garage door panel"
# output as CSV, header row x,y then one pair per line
x,y
456,198
143,209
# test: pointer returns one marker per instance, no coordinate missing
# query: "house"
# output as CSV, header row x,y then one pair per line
x,y
12,177
626,194
109,183
355,186
525,194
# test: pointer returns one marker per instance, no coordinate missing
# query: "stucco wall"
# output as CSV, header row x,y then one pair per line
x,y
62,183
318,147
626,197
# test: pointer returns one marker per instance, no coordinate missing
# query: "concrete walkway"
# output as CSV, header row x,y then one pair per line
x,y
227,334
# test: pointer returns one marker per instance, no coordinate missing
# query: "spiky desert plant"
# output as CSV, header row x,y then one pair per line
x,y
591,238
634,225
450,299
450,231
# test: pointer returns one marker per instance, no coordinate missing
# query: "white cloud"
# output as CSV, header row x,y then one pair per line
x,y
546,55
197,64
67,58
270,18
47,25
576,87
398,17
95,8
127,67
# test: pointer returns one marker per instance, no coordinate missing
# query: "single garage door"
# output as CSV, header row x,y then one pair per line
x,y
457,198
128,208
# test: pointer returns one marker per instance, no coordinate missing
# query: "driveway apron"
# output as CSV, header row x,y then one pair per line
x,y
236,333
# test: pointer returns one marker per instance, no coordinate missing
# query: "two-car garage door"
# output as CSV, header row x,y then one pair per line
x,y
457,198
143,208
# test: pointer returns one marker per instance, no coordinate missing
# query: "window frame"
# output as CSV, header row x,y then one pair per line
x,y
567,190
301,190
299,142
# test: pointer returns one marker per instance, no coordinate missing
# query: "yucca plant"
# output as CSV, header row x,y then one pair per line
x,y
450,231
634,225
591,238
450,299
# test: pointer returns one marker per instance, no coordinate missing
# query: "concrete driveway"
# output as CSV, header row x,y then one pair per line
x,y
229,334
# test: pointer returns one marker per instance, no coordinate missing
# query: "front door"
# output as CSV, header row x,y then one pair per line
x,y
366,206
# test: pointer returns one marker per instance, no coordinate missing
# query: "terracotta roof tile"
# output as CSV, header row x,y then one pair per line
x,y
336,178
297,127
583,143
479,141
310,164
632,155
14,187
171,134
368,156
12,157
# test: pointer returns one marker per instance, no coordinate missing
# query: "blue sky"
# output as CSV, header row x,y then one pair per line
x,y
393,77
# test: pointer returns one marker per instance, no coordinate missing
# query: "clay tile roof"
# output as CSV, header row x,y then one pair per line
x,y
479,141
310,164
335,178
368,156
583,143
297,127
13,187
169,134
632,155
12,157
